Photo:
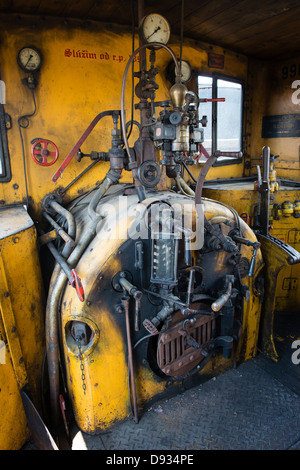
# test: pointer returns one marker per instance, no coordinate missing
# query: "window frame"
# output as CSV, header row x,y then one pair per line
x,y
215,77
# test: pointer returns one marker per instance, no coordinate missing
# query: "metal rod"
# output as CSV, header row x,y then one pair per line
x,y
265,192
125,303
58,229
266,162
70,221
61,260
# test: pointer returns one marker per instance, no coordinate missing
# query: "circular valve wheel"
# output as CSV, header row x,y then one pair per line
x,y
149,173
44,152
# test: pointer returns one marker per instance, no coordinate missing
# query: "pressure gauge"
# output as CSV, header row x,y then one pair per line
x,y
155,28
29,59
186,71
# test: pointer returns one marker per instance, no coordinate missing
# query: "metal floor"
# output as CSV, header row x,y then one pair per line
x,y
253,407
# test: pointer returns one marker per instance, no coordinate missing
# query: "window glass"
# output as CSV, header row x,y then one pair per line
x,y
205,109
229,116
224,127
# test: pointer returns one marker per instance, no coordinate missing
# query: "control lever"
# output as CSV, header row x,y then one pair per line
x,y
255,246
137,295
221,301
77,284
188,338
253,259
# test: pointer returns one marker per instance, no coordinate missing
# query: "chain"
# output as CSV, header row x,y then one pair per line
x,y
81,366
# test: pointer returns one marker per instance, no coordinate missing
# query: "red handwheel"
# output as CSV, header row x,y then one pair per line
x,y
42,150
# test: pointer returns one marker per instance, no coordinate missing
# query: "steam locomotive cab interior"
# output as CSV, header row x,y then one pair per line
x,y
149,209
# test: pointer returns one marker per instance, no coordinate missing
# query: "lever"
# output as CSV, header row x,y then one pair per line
x,y
77,284
137,295
253,259
255,246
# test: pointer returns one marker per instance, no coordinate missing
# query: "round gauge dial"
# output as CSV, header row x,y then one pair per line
x,y
155,28
186,71
29,59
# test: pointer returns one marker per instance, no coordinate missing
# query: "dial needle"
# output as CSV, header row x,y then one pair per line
x,y
30,57
157,29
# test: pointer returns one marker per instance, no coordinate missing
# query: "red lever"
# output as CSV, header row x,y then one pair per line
x,y
206,100
202,151
76,283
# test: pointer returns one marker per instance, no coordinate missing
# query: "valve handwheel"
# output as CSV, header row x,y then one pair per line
x,y
42,150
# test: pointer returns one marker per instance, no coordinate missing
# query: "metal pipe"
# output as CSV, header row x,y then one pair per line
x,y
60,260
97,196
67,248
52,321
266,163
221,301
58,229
70,221
123,121
58,281
125,303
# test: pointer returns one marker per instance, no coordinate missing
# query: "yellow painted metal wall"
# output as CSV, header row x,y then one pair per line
x,y
273,91
21,323
81,75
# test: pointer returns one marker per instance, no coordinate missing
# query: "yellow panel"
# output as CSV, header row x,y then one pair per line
x,y
13,426
21,327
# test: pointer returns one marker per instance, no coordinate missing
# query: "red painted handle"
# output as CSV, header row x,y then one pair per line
x,y
206,100
76,283
41,150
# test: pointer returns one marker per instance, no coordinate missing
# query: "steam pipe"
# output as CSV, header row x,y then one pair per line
x,y
58,229
98,195
52,322
67,248
70,221
57,286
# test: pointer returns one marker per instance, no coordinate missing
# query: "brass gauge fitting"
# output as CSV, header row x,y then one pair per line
x,y
177,94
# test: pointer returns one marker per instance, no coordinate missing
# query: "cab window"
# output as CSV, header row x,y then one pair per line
x,y
224,119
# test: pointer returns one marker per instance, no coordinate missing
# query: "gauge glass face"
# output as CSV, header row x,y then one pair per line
x,y
29,59
186,71
156,29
